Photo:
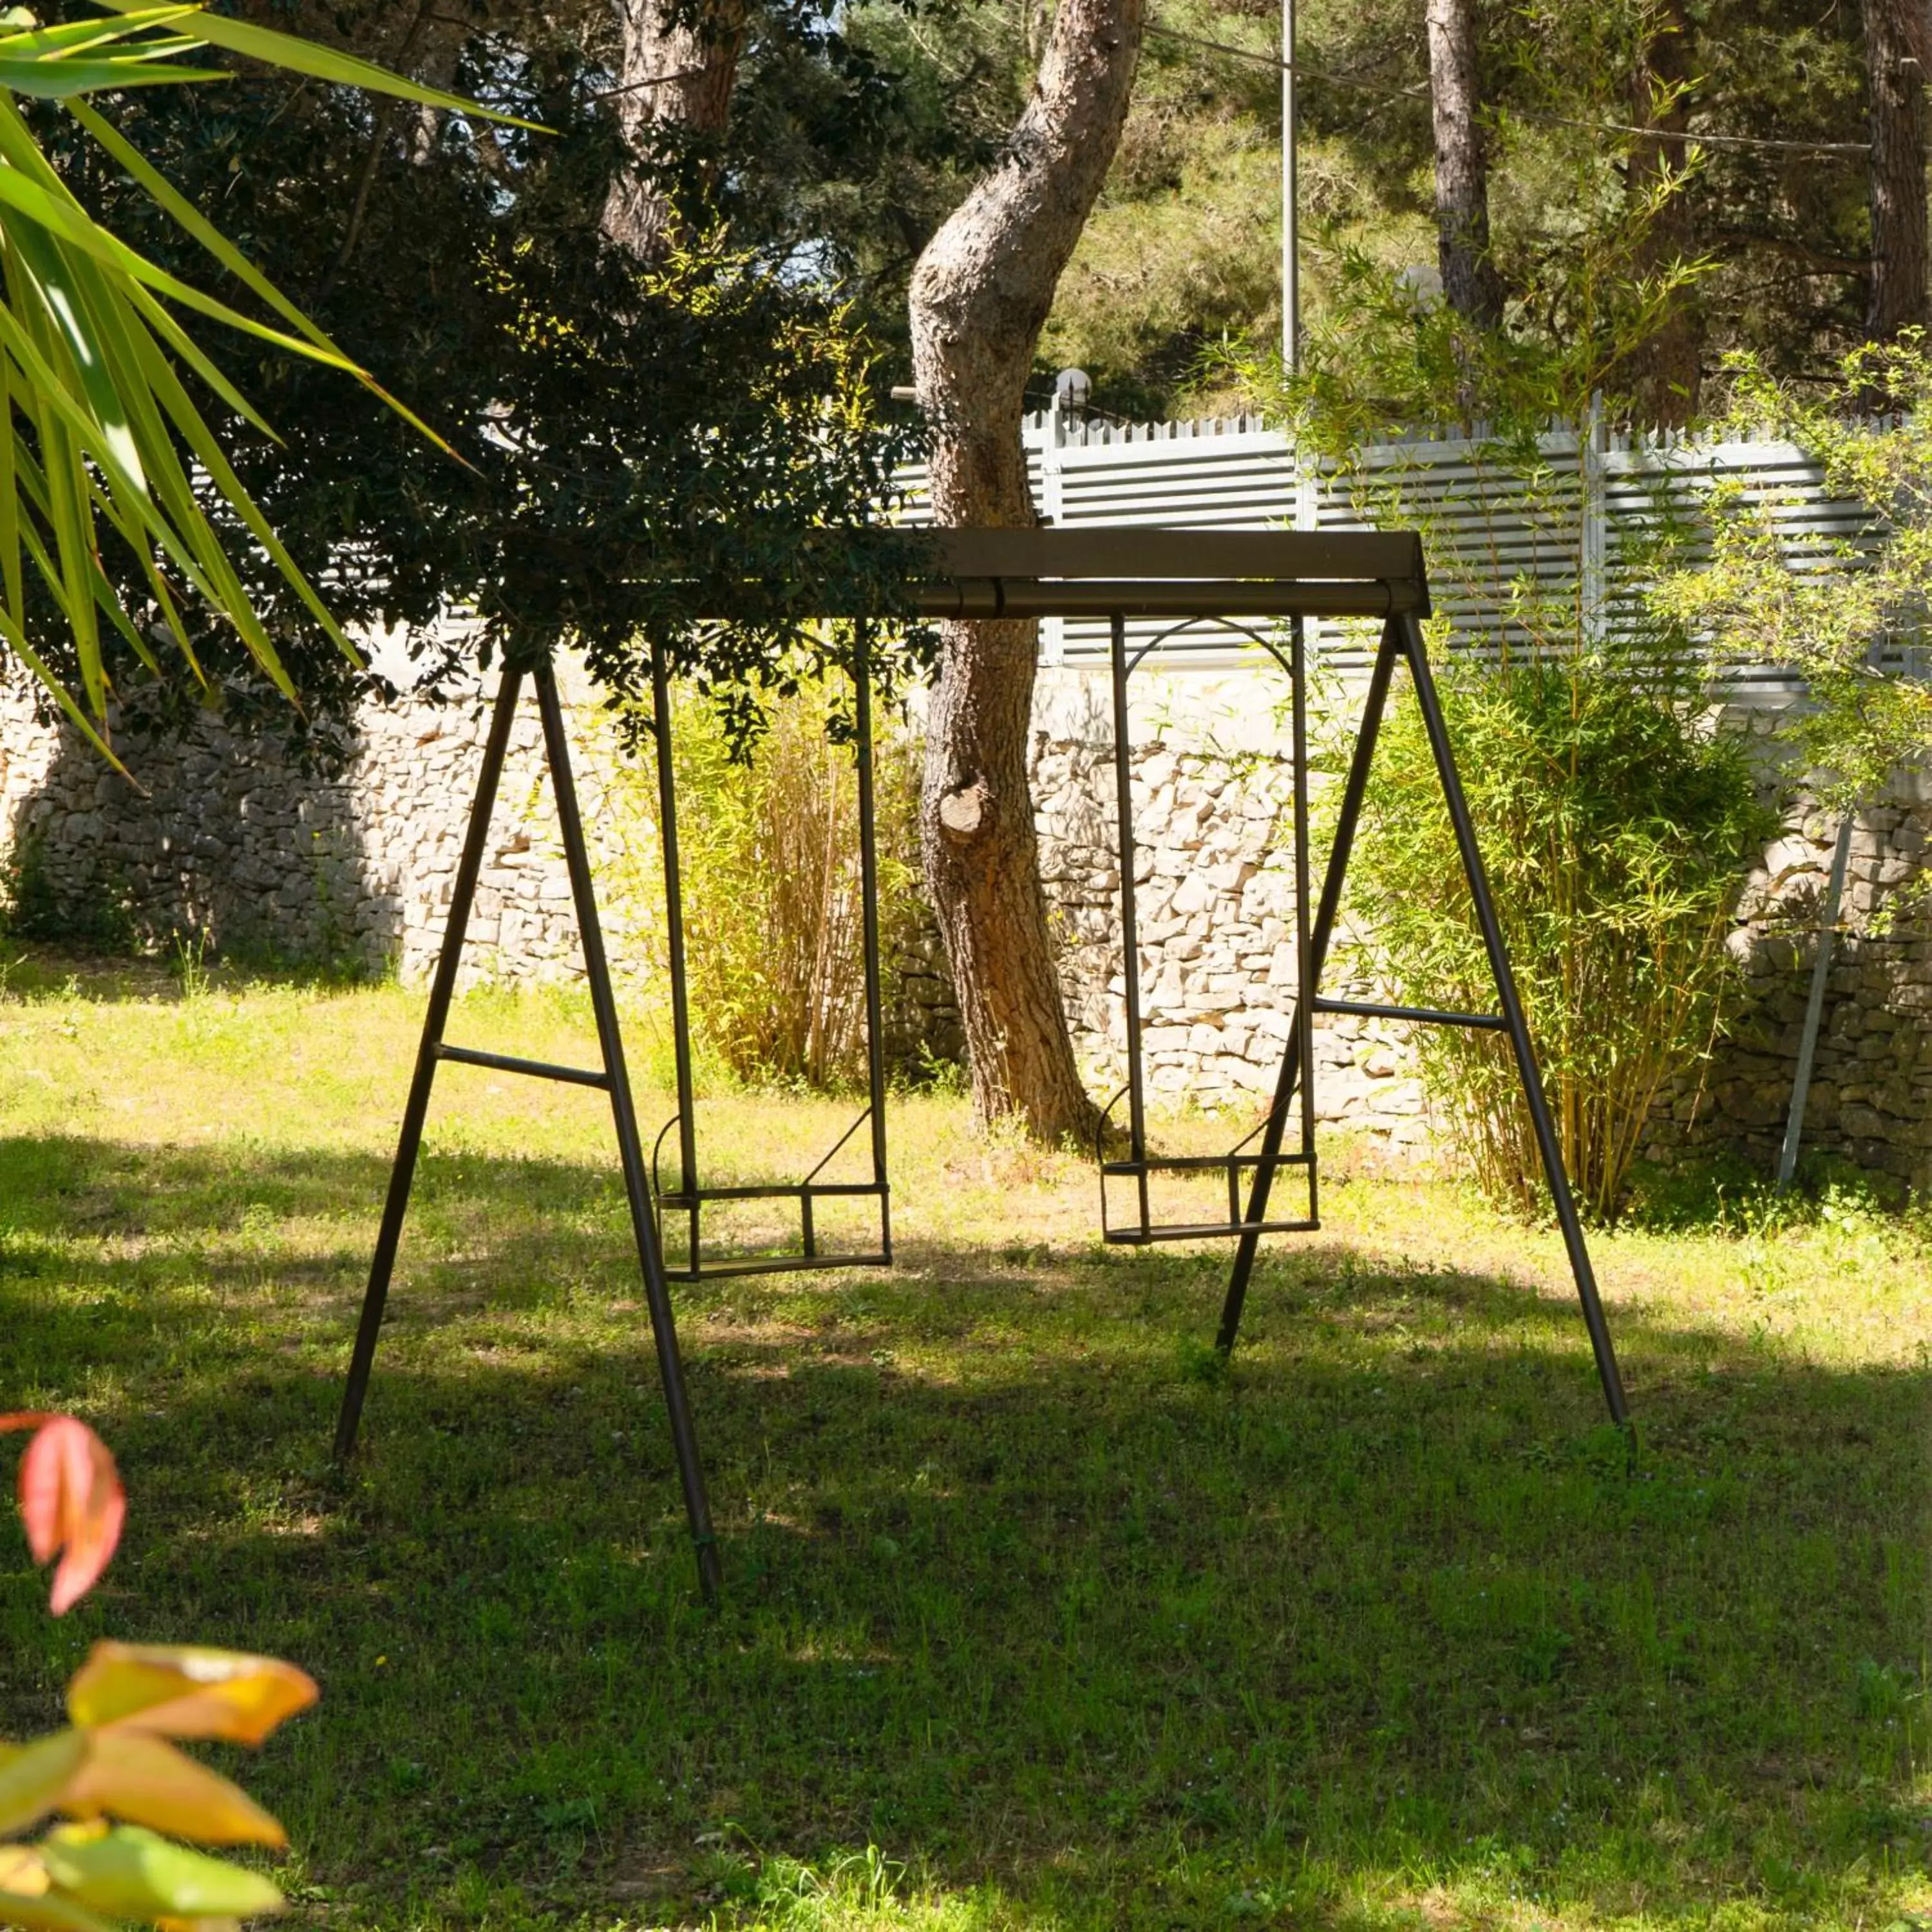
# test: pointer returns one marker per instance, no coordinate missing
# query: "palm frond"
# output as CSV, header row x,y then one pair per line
x,y
98,429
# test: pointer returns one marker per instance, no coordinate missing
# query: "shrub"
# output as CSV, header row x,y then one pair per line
x,y
768,844
1616,821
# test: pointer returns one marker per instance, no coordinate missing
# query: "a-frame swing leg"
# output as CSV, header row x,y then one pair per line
x,y
1515,1024
1269,1152
409,1141
614,1079
1403,636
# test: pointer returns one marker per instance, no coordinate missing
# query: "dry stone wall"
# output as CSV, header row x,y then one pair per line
x,y
232,843
1870,1103
236,847
1211,794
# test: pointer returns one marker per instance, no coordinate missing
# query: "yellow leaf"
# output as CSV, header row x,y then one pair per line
x,y
180,1691
28,1899
22,1873
34,1781
146,1780
130,1874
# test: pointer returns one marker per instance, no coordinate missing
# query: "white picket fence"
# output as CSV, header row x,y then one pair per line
x,y
1568,528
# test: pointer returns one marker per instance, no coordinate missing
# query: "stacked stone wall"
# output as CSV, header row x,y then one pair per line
x,y
234,844
1212,788
230,844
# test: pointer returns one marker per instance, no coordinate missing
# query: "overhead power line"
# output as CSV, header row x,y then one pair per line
x,y
1333,80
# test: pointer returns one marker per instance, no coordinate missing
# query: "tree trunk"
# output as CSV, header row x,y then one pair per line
x,y
1470,284
980,295
675,75
1894,38
1668,373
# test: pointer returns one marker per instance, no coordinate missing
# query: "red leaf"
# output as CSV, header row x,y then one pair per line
x,y
71,1501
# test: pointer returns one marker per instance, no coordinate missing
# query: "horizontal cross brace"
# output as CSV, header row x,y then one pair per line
x,y
1428,1015
1201,1163
1205,1231
508,1063
694,1197
724,1268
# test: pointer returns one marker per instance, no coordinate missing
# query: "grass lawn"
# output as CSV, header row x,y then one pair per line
x,y
1035,1616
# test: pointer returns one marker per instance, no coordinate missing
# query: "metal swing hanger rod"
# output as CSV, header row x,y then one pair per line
x,y
688,1199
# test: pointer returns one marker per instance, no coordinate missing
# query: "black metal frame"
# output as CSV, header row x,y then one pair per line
x,y
1115,574
614,1078
690,1197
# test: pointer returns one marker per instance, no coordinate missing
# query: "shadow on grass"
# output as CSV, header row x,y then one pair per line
x,y
1379,1625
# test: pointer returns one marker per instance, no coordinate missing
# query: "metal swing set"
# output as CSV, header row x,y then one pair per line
x,y
1183,578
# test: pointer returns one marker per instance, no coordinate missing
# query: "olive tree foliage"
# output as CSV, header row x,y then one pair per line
x,y
1830,613
1385,357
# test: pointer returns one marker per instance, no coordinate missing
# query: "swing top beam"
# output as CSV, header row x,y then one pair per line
x,y
1057,572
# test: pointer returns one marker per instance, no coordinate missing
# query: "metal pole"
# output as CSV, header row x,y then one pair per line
x,y
868,911
1304,997
1814,1005
1431,708
1291,200
442,989
1353,790
1130,943
623,1114
680,998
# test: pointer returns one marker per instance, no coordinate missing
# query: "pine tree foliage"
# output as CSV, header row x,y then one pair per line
x,y
1182,257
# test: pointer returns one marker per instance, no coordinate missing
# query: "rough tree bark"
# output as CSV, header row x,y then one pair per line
x,y
1470,284
980,295
1668,373
678,64
1895,37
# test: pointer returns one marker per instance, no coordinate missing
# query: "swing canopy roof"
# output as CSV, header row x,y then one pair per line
x,y
1132,572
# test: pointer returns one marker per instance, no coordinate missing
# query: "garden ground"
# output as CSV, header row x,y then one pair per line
x,y
1035,1616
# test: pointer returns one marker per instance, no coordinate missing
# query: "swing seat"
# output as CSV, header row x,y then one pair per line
x,y
691,1202
1142,1230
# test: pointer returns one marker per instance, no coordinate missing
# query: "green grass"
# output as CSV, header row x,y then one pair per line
x,y
1035,1614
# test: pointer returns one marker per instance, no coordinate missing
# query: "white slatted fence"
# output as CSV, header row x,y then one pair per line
x,y
1513,536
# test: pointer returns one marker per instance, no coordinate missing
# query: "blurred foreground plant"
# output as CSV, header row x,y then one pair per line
x,y
122,1790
